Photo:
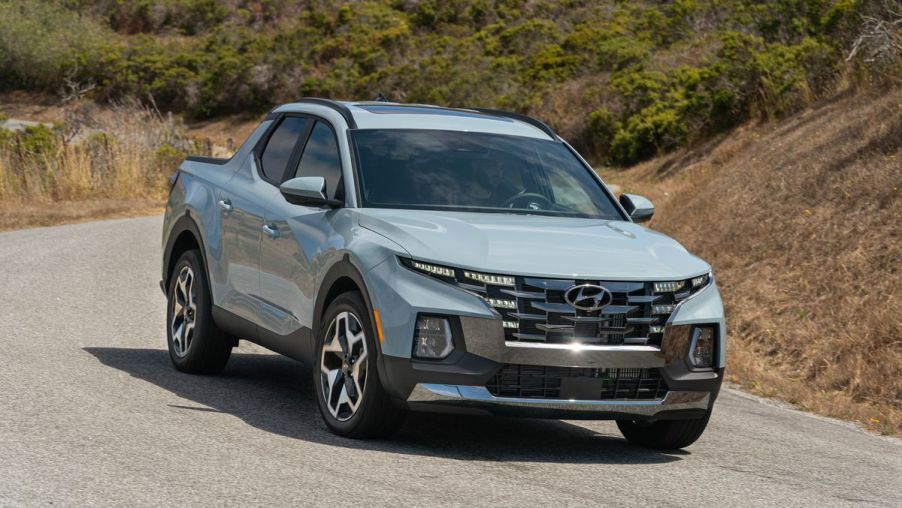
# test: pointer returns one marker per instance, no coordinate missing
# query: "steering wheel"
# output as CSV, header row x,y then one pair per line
x,y
531,200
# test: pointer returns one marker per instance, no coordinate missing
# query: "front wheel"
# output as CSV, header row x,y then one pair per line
x,y
664,434
351,398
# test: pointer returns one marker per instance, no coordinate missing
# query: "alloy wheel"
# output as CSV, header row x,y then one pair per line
x,y
184,311
343,366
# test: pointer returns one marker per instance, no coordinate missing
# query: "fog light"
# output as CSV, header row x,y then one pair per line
x,y
701,350
432,338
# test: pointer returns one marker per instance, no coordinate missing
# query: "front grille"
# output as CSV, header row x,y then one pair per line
x,y
542,314
534,310
536,382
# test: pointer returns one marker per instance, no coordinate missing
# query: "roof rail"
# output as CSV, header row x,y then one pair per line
x,y
542,126
337,106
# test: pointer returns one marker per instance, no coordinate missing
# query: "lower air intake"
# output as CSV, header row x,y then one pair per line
x,y
536,382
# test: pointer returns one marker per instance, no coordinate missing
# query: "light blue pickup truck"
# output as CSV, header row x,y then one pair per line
x,y
421,258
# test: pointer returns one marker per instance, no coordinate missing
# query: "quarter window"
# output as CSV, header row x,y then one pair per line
x,y
321,158
280,146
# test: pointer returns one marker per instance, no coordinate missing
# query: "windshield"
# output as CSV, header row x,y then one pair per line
x,y
476,172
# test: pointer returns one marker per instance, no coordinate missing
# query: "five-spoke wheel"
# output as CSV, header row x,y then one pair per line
x,y
184,311
196,344
343,365
348,389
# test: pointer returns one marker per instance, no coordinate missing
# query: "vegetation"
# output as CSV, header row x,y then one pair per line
x,y
622,80
125,155
800,223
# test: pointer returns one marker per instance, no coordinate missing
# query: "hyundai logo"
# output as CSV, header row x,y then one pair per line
x,y
588,297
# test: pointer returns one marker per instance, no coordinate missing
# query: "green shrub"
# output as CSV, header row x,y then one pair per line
x,y
42,44
32,141
651,75
602,128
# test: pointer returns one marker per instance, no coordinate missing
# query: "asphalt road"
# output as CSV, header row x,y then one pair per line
x,y
91,413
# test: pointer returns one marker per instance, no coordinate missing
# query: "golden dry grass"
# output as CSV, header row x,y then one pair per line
x,y
801,221
99,162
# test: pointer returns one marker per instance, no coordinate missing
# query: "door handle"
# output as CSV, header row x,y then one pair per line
x,y
271,231
226,205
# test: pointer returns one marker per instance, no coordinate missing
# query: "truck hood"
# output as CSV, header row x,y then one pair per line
x,y
535,245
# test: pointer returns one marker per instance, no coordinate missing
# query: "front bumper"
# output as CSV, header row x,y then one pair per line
x,y
459,386
478,399
459,383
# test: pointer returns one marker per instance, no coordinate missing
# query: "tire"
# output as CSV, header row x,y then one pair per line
x,y
346,382
664,434
196,345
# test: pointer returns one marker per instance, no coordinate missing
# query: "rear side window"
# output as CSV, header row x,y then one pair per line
x,y
281,144
321,158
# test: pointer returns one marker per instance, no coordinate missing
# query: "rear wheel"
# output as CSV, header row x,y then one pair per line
x,y
350,395
196,345
664,434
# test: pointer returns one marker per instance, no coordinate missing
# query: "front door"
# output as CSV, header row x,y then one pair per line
x,y
299,233
244,225
241,215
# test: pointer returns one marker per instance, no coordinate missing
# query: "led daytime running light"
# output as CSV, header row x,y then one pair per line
x,y
492,280
669,287
662,309
502,304
433,269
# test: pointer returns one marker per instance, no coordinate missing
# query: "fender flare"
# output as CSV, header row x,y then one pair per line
x,y
182,224
342,268
345,268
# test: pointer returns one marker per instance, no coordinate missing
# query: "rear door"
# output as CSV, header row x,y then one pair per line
x,y
242,208
287,262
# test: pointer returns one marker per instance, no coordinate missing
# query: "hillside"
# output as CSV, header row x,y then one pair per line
x,y
623,81
801,221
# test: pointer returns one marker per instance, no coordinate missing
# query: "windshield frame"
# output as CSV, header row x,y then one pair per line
x,y
362,203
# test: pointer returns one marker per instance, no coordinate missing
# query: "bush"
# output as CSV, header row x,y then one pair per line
x,y
648,76
42,44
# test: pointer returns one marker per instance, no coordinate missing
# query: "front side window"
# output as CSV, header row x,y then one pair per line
x,y
467,171
321,158
280,146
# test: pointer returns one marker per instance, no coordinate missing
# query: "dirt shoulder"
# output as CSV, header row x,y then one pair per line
x,y
70,212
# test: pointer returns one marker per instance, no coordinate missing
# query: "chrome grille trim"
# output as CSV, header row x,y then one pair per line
x,y
543,316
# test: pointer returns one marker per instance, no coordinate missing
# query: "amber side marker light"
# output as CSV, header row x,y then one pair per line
x,y
378,325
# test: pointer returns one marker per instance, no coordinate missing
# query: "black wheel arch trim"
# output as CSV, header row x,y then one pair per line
x,y
341,269
184,223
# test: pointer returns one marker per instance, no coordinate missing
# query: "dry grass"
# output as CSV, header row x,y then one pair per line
x,y
801,221
100,162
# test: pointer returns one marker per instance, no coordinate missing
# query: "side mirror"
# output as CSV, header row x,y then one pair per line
x,y
308,191
638,208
